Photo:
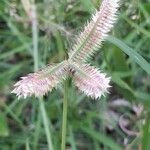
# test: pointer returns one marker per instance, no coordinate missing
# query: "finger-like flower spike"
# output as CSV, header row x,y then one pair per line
x,y
90,39
87,78
41,82
90,80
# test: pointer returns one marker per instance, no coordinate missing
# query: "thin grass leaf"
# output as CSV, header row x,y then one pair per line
x,y
3,125
146,134
130,52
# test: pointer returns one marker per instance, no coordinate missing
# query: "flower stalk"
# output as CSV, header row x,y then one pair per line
x,y
64,118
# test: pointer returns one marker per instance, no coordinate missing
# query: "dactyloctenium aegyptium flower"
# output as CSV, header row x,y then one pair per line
x,y
87,78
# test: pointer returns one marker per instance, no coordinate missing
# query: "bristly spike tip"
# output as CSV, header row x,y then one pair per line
x,y
95,31
90,80
39,83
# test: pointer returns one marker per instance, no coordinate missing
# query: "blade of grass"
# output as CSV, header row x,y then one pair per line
x,y
72,139
146,134
131,53
64,120
27,145
46,124
37,131
138,27
13,115
3,125
35,55
13,51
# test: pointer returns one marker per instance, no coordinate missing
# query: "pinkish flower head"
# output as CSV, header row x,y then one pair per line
x,y
87,78
41,82
92,82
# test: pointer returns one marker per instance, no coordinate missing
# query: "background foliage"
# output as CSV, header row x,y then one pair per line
x,y
118,121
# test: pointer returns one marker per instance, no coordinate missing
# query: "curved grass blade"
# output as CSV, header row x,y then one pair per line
x,y
131,53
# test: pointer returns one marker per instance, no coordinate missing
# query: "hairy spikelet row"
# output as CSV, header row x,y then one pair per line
x,y
95,31
87,78
90,80
41,82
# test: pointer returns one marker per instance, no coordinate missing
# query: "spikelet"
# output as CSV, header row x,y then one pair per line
x,y
41,82
95,31
90,80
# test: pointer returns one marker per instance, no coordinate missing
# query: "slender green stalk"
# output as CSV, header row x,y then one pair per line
x,y
27,145
64,120
36,65
35,37
46,124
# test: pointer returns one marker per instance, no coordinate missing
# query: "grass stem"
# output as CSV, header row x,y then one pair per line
x,y
46,124
36,66
35,37
64,120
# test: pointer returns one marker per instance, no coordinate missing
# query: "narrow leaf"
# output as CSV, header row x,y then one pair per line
x,y
132,53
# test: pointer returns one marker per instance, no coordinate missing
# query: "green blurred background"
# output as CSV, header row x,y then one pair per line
x,y
121,120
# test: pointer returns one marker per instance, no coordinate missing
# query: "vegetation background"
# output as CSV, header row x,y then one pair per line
x,y
121,120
